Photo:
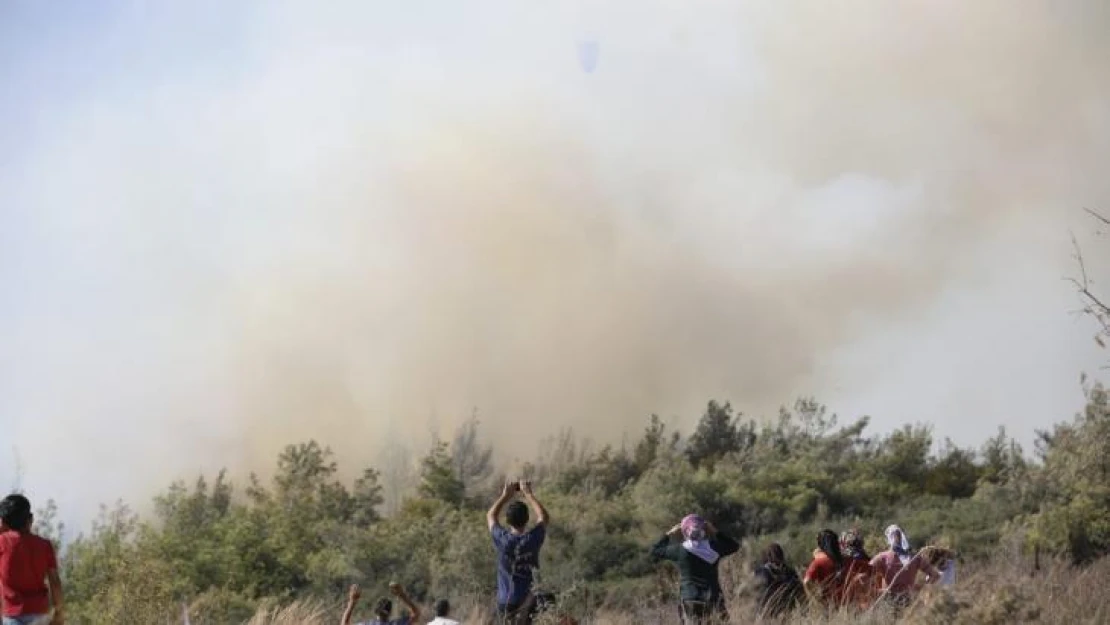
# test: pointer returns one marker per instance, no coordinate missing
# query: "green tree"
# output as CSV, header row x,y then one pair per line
x,y
438,479
954,473
1002,458
367,498
472,460
1075,517
48,525
718,434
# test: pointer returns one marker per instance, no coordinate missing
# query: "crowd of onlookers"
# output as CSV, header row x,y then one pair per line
x,y
841,575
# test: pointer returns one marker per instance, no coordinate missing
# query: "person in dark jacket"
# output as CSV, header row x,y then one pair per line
x,y
780,589
697,557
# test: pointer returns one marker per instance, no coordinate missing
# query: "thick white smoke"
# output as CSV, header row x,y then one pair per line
x,y
354,223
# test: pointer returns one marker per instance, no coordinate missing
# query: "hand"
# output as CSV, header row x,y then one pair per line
x,y
525,486
396,589
354,593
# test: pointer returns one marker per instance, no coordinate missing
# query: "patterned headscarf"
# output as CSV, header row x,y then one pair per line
x,y
693,527
852,543
693,531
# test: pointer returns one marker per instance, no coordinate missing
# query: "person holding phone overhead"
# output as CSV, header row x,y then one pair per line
x,y
518,550
697,552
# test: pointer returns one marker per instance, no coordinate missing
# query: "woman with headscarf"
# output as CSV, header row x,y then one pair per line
x,y
780,590
697,557
858,577
824,577
898,567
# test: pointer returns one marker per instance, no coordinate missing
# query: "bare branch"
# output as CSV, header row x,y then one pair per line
x,y
1097,215
1082,265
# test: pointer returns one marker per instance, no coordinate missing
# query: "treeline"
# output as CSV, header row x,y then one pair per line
x,y
227,550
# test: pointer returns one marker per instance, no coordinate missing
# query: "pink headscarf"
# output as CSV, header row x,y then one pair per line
x,y
693,527
693,530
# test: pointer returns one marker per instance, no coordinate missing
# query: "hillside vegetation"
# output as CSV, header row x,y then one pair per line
x,y
236,551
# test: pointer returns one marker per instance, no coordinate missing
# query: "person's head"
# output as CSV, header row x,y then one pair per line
x,y
442,608
516,515
938,557
15,512
774,554
383,608
851,541
829,543
693,527
896,538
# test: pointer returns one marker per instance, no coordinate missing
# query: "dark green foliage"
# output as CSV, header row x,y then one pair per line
x,y
717,435
310,531
1075,516
438,479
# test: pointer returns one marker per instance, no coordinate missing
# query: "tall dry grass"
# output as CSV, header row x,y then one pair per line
x,y
1000,592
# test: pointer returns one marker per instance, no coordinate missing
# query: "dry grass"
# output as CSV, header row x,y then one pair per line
x,y
1002,592
306,612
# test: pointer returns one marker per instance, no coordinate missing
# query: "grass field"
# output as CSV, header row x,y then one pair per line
x,y
1004,591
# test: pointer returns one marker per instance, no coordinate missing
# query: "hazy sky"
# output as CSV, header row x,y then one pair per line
x,y
226,226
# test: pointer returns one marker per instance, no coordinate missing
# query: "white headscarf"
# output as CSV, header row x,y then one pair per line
x,y
901,548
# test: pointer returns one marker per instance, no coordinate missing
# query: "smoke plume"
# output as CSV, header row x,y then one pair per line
x,y
355,225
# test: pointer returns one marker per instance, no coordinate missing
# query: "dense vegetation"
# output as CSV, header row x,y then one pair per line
x,y
229,550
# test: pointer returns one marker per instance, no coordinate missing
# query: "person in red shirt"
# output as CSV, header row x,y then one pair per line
x,y
860,578
836,580
29,580
823,580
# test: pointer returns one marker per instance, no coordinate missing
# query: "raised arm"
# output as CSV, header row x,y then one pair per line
x,y
537,508
352,600
400,593
495,510
724,544
661,550
908,573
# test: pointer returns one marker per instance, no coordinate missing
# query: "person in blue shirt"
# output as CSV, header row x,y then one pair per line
x,y
518,550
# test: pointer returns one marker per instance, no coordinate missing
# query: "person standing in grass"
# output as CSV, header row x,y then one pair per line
x,y
780,590
383,609
697,555
518,551
859,581
825,577
29,580
898,567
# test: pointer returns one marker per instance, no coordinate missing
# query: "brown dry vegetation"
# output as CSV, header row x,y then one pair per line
x,y
1003,591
